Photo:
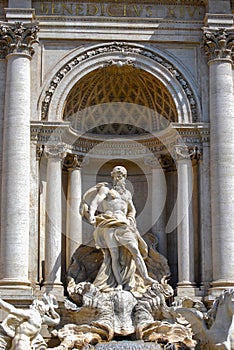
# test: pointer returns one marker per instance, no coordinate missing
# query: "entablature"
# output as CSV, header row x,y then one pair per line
x,y
163,142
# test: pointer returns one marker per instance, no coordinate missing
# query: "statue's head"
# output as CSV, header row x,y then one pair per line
x,y
119,170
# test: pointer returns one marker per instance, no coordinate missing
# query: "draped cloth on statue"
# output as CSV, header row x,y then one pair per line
x,y
119,234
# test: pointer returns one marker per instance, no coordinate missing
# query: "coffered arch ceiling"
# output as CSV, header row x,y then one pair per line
x,y
119,100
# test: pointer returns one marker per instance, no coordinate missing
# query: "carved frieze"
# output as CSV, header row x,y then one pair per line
x,y
17,38
218,43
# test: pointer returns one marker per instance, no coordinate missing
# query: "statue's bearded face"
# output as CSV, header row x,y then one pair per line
x,y
119,177
119,174
119,180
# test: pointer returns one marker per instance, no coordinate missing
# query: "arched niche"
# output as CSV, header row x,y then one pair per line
x,y
80,63
119,100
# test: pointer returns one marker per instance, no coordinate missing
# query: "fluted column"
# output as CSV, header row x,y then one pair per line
x,y
74,220
185,229
53,239
218,44
16,40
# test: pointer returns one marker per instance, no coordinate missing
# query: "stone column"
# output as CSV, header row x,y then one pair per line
x,y
218,44
159,192
2,97
74,219
205,217
53,239
16,40
185,230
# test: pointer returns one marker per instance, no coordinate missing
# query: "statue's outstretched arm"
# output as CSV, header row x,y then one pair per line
x,y
51,321
12,310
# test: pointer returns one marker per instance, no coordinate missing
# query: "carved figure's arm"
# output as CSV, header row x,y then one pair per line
x,y
131,214
51,318
12,310
51,321
101,195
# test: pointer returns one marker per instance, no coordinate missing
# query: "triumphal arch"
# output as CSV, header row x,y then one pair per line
x,y
87,86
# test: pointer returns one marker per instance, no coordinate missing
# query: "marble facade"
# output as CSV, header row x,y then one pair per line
x,y
83,87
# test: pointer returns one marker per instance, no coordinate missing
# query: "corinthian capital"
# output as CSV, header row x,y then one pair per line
x,y
182,152
17,38
58,151
218,43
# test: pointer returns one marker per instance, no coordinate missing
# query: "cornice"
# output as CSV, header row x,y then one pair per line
x,y
191,135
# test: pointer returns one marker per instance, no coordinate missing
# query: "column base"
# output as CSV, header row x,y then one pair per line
x,y
186,288
218,286
55,288
14,283
14,288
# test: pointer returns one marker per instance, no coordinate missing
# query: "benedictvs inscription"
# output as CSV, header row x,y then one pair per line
x,y
113,9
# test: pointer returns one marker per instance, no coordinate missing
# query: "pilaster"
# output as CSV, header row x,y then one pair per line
x,y
16,42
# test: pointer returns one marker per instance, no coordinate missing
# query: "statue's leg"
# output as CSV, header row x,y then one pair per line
x,y
114,252
112,245
140,264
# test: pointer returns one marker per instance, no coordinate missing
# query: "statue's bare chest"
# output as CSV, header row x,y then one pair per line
x,y
115,201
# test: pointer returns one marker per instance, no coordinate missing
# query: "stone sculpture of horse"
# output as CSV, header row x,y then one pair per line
x,y
214,329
